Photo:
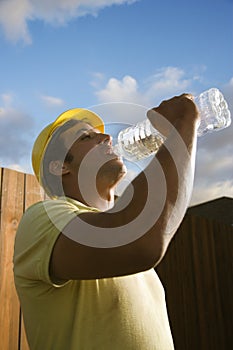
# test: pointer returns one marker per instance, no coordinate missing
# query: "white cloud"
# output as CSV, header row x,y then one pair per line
x,y
125,90
167,82
205,193
214,167
16,128
52,101
15,14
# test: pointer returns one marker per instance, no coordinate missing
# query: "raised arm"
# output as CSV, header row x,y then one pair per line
x,y
134,235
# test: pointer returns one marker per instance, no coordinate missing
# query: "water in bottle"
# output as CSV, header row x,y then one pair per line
x,y
141,140
214,112
138,141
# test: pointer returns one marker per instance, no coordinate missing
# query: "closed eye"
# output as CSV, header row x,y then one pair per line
x,y
85,136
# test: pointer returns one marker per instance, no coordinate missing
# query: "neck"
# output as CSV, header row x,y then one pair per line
x,y
103,203
102,200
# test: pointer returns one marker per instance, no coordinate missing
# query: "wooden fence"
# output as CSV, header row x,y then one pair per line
x,y
17,192
197,273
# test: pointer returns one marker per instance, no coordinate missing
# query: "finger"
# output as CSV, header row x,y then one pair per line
x,y
190,96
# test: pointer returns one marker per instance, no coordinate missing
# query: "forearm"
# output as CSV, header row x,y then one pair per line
x,y
138,229
162,192
177,161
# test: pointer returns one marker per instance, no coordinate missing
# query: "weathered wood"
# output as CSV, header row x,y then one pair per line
x,y
33,194
197,272
17,192
12,197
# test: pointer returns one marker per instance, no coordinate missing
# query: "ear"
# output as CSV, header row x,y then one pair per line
x,y
58,168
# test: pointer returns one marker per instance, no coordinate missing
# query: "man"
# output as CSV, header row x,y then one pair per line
x,y
84,266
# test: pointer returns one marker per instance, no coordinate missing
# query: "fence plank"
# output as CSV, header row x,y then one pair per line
x,y
11,211
33,191
197,272
33,194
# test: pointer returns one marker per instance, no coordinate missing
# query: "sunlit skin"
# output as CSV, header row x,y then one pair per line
x,y
91,151
70,259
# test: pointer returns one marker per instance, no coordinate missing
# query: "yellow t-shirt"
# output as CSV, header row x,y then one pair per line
x,y
120,313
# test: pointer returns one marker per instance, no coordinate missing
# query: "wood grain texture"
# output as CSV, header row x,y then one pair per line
x,y
197,273
197,270
12,195
33,193
17,192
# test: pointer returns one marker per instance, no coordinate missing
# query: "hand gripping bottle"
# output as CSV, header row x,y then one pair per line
x,y
142,139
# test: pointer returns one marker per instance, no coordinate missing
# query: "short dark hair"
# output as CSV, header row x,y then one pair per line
x,y
56,150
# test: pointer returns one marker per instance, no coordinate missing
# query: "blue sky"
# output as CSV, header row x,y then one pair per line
x,y
62,54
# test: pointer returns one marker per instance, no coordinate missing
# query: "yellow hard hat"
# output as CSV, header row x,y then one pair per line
x,y
44,137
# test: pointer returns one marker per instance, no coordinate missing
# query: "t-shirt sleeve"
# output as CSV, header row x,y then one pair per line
x,y
36,236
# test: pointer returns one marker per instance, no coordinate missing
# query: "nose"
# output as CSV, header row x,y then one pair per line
x,y
105,138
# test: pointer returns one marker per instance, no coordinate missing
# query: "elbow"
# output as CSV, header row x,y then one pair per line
x,y
158,255
152,254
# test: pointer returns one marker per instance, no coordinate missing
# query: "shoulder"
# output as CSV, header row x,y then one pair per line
x,y
42,223
51,213
50,207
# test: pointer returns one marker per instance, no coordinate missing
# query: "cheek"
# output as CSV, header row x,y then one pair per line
x,y
84,156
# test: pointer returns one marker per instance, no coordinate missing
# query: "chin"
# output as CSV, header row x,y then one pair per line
x,y
119,166
114,170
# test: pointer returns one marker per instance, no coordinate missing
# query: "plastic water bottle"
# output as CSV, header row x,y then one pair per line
x,y
142,140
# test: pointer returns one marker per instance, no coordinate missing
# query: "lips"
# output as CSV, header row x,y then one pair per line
x,y
107,149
